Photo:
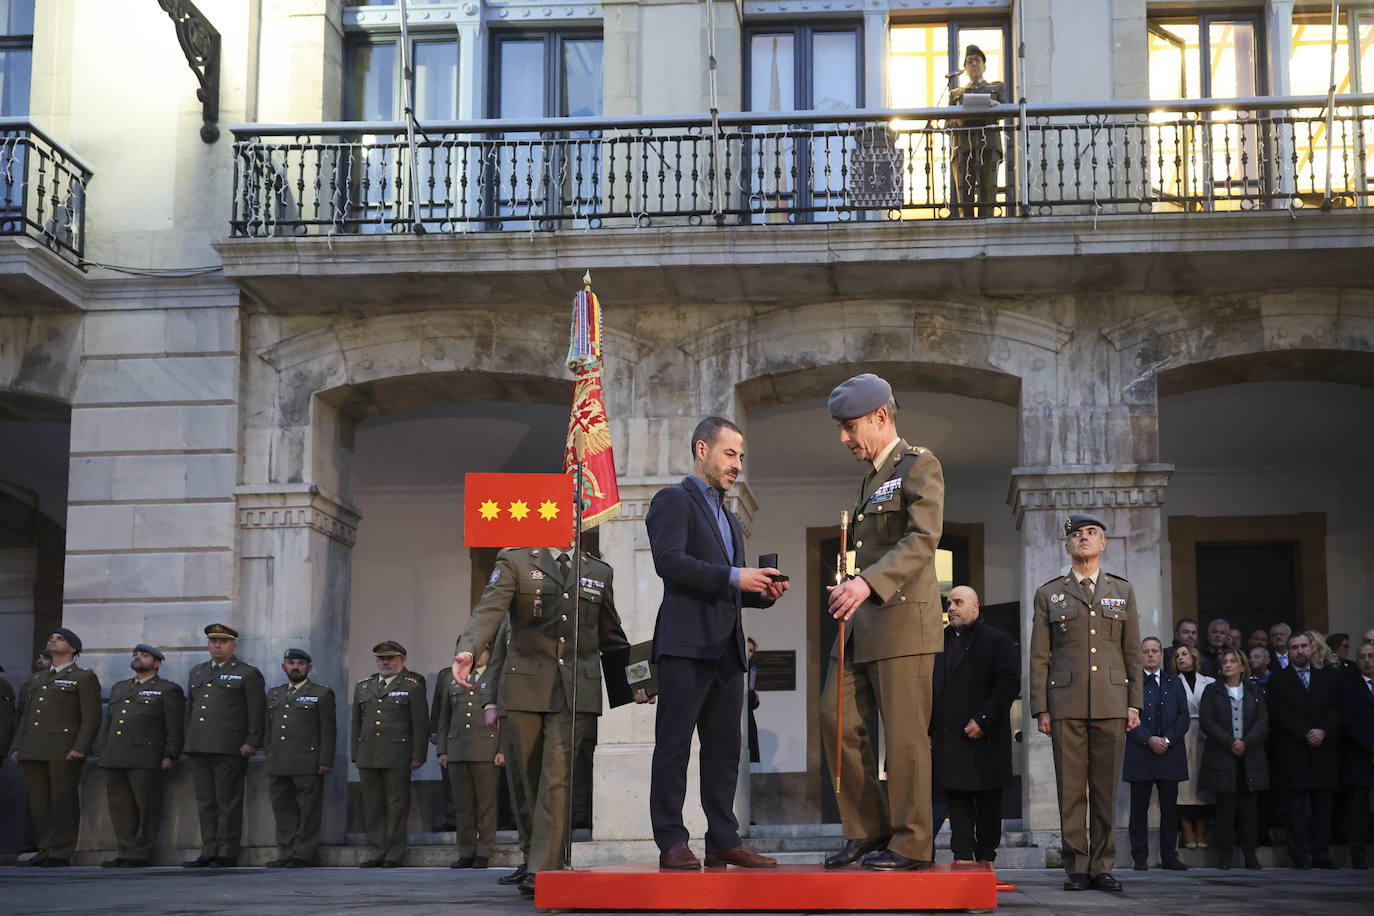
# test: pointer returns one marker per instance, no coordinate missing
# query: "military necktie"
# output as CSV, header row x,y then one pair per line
x,y
1088,590
564,565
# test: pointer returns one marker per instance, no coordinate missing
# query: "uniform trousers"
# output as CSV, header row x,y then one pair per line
x,y
900,690
975,824
1087,769
515,788
135,799
1309,809
297,807
53,788
975,176
1140,819
218,779
386,809
539,746
474,784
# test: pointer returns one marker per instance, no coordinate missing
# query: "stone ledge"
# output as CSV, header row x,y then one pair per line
x,y
1087,487
297,506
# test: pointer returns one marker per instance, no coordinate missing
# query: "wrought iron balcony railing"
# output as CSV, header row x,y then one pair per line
x,y
1130,157
42,189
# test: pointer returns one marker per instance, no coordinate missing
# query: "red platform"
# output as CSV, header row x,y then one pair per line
x,y
787,887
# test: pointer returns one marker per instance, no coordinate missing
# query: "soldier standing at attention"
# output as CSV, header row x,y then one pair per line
x,y
144,728
300,753
56,732
390,738
467,751
1086,693
224,726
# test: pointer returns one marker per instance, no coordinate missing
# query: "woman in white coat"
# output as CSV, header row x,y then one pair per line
x,y
1192,801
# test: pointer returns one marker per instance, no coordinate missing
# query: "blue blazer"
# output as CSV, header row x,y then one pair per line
x,y
1164,714
700,613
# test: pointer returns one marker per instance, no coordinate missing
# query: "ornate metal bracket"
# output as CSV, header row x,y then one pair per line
x,y
200,42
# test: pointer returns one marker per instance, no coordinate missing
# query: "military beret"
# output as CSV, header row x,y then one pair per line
x,y
388,648
72,639
975,51
154,652
220,631
1074,522
297,653
859,396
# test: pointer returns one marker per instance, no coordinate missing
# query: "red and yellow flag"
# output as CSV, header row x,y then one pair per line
x,y
517,510
589,433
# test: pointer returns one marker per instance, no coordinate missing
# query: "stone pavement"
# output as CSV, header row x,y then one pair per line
x,y
176,891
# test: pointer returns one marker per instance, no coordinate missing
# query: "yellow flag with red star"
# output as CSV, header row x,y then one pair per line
x,y
518,510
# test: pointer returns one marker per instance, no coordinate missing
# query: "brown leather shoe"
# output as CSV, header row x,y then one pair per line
x,y
679,857
742,856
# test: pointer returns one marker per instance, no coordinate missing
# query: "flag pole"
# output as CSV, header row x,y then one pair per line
x,y
577,627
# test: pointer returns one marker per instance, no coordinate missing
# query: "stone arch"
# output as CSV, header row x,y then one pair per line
x,y
40,358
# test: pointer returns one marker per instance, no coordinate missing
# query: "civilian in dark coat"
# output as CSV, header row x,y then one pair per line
x,y
1305,706
1234,718
975,680
1357,754
1156,759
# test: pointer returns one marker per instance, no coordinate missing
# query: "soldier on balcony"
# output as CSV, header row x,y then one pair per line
x,y
977,142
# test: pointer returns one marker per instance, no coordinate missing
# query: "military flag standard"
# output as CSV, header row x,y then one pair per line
x,y
517,510
589,433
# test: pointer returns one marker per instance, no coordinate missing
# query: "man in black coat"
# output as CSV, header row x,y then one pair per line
x,y
1357,754
1305,711
1156,759
698,550
976,678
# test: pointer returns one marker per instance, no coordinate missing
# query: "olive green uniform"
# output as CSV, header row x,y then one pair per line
x,y
301,729
977,154
536,681
471,747
7,718
515,786
224,711
890,648
1082,655
390,732
144,725
61,715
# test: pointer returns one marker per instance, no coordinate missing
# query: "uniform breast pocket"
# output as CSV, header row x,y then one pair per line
x,y
1114,616
1062,620
888,518
229,683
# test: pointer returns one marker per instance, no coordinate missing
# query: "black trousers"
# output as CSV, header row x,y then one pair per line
x,y
1309,809
1237,821
54,790
975,824
1355,804
135,799
1168,819
298,809
705,696
218,779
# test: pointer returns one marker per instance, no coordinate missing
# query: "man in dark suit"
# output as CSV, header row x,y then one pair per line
x,y
1218,631
1156,759
698,549
1357,754
1305,708
300,753
144,730
976,678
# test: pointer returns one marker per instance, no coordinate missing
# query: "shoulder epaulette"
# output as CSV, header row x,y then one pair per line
x,y
1116,577
1048,581
411,676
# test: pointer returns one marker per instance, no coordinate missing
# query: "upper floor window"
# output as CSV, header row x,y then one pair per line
x,y
1309,62
373,84
925,59
1211,56
546,75
16,56
803,67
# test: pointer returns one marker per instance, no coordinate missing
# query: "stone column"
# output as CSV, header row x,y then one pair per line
x,y
1278,21
299,62
1129,499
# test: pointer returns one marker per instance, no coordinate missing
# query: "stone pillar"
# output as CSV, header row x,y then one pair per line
x,y
299,77
1278,21
1129,499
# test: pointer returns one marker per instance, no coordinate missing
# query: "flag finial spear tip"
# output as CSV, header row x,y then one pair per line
x,y
587,280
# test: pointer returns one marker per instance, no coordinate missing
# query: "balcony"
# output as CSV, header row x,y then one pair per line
x,y
42,219
854,201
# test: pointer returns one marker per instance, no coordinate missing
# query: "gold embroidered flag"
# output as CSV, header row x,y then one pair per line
x,y
589,433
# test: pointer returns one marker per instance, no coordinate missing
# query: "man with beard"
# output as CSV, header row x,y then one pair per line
x,y
390,739
300,753
144,728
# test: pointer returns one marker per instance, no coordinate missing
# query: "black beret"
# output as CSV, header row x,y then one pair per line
x,y
154,652
72,639
859,396
1074,522
299,654
388,648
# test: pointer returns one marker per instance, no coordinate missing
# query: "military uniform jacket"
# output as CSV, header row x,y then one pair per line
x,y
390,723
897,524
987,138
144,724
61,714
301,729
461,726
537,675
491,681
1085,659
7,716
224,708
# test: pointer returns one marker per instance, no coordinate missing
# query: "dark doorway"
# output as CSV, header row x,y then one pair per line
x,y
1253,585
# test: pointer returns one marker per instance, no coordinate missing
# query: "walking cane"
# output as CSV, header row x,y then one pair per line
x,y
839,672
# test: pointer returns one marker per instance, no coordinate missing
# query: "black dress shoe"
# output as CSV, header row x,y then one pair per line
x,y
1301,864
1173,865
112,863
54,862
1140,866
464,862
1078,882
853,851
1105,882
1252,862
198,862
447,827
298,863
514,877
390,864
137,863
372,863
277,863
527,884
480,861
887,860
223,862
35,862
1324,863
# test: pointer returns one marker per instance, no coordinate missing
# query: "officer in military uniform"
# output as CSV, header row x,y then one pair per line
x,y
495,717
1086,694
7,714
535,588
467,749
977,143
144,729
895,628
300,753
56,733
224,727
390,738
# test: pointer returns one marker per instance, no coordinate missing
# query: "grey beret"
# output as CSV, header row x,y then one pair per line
x,y
151,650
1074,522
859,396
